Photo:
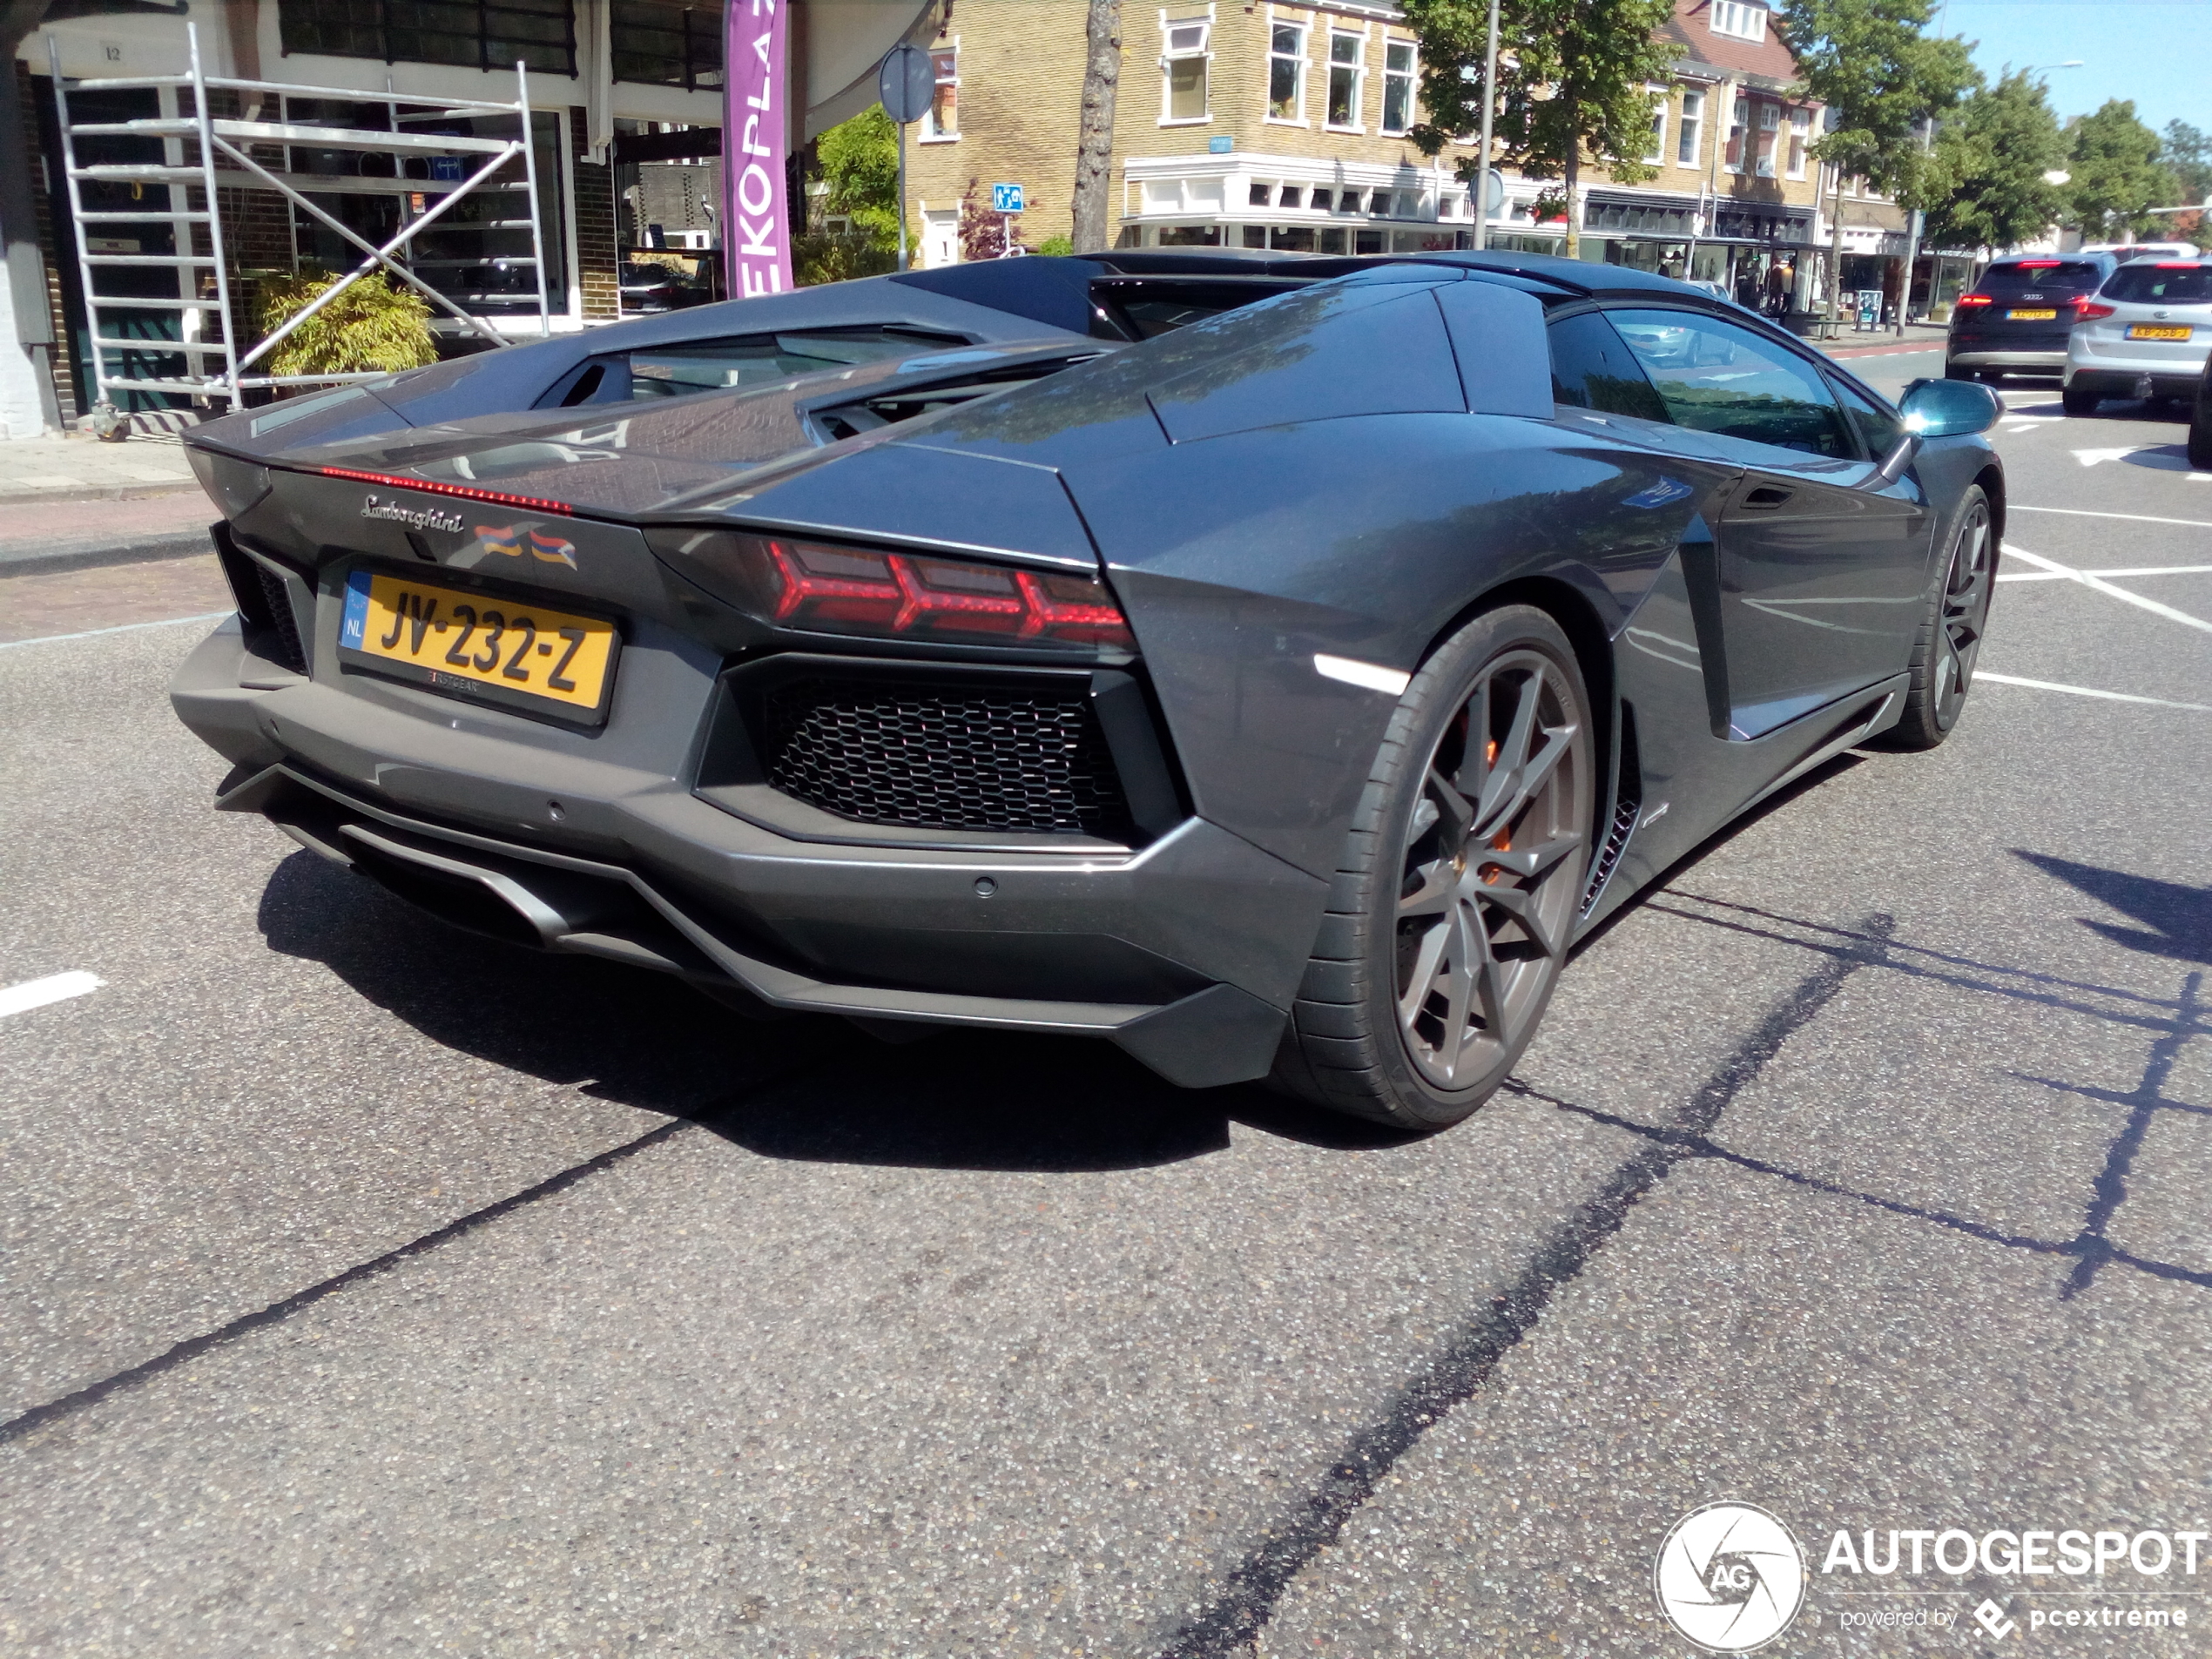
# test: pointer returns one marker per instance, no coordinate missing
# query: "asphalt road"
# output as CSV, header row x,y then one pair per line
x,y
370,1289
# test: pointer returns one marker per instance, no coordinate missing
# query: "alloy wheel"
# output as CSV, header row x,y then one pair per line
x,y
1968,585
1490,880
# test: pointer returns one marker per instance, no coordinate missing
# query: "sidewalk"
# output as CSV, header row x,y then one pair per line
x,y
82,468
1918,336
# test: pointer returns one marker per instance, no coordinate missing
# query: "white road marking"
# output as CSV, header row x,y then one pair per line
x,y
2133,518
126,628
2144,569
1981,674
2102,586
2091,457
55,988
1371,676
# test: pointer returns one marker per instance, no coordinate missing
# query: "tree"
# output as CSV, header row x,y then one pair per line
x,y
2188,155
1573,87
1882,79
2113,159
859,160
1983,186
1094,195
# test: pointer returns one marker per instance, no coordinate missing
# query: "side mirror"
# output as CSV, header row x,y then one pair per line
x,y
1949,409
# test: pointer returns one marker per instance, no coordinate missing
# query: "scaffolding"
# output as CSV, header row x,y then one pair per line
x,y
206,152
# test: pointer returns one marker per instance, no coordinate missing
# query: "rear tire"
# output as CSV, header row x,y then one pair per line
x,y
1460,884
2200,434
2079,402
1952,372
1951,631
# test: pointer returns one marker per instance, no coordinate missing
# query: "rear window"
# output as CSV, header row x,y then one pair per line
x,y
2041,276
2181,285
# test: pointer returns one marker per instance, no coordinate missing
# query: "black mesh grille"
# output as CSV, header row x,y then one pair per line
x,y
1029,759
287,627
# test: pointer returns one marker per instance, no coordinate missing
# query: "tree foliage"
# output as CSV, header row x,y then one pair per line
x,y
2188,155
1984,186
2113,159
859,160
371,326
1573,87
1881,75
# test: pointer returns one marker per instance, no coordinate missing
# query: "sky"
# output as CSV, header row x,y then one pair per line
x,y
2158,52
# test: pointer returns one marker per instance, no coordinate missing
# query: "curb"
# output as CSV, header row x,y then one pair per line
x,y
1892,350
183,545
113,492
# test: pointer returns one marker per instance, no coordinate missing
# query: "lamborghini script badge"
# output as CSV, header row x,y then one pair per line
x,y
418,518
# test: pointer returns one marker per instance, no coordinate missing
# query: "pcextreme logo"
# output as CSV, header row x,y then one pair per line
x,y
1731,1577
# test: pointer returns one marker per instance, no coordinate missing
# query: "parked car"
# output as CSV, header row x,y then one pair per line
x,y
2126,251
2201,422
2145,333
1277,696
2016,317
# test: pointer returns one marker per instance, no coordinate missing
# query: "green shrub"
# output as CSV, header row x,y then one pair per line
x,y
370,326
1056,247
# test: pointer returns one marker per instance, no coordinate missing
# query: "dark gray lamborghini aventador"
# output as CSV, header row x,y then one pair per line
x,y
1279,694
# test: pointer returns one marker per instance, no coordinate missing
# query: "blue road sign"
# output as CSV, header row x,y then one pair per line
x,y
1006,199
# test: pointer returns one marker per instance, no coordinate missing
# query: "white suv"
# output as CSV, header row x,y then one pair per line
x,y
2145,334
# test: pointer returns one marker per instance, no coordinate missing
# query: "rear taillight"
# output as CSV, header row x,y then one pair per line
x,y
1965,300
2090,311
812,587
435,486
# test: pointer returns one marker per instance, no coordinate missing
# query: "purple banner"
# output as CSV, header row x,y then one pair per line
x,y
755,217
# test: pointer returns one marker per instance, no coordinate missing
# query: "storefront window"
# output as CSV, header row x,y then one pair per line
x,y
473,34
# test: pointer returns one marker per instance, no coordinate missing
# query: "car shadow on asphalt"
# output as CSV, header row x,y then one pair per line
x,y
812,1089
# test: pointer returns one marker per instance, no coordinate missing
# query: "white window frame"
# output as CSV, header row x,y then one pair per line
x,y
1738,19
1689,128
929,133
1304,61
1739,120
1204,24
1411,77
1799,139
1770,138
1358,67
1660,107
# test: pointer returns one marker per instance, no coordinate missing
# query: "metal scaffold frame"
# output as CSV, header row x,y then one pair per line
x,y
225,139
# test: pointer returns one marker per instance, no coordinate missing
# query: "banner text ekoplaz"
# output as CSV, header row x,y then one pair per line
x,y
755,218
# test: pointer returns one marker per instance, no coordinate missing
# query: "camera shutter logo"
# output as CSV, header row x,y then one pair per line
x,y
1730,1577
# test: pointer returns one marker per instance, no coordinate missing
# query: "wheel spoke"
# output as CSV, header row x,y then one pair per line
x,y
1504,783
1452,809
1422,980
1531,861
1469,948
1437,880
1474,761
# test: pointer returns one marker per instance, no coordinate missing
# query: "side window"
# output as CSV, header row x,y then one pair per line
x,y
1877,426
1713,376
1592,369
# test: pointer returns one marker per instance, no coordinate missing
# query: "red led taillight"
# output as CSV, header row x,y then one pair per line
x,y
531,503
2090,311
2177,264
1965,300
814,588
2037,265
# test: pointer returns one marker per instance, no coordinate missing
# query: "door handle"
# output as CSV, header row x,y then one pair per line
x,y
1768,495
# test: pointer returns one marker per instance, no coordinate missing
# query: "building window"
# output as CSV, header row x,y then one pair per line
x,y
1184,66
1800,135
473,34
941,120
1286,73
1397,86
1735,17
1292,196
1320,202
1347,69
1770,135
1738,120
665,42
1656,155
1688,131
1262,195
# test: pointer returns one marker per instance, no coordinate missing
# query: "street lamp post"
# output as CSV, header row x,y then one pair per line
x,y
1489,102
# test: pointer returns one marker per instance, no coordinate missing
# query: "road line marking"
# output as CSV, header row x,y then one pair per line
x,y
2102,586
126,628
2086,691
55,988
2140,570
2133,518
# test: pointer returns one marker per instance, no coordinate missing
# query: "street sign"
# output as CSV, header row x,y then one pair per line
x,y
1493,193
1006,199
906,81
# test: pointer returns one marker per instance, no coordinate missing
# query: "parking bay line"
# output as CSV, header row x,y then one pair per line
x,y
55,988
2133,518
2091,581
124,628
2141,569
2088,690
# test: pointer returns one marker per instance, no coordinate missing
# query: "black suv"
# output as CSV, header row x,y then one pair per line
x,y
2019,313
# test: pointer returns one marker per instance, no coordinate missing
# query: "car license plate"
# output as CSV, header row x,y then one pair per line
x,y
2031,316
2155,331
516,653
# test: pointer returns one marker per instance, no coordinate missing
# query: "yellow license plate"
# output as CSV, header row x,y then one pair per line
x,y
515,653
2032,316
2153,331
